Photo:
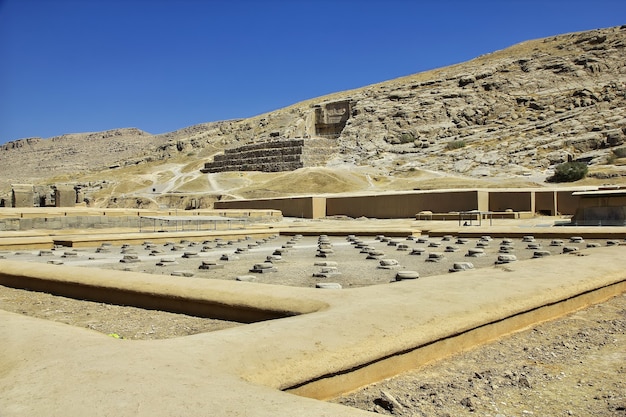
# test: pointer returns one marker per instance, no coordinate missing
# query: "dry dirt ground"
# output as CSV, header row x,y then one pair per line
x,y
117,321
572,366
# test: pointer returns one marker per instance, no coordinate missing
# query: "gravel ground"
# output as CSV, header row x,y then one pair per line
x,y
119,321
297,264
573,366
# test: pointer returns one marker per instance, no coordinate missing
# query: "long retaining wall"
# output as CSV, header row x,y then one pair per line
x,y
55,219
302,207
408,204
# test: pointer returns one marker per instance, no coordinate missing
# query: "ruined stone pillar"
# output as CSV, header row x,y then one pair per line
x,y
22,195
64,196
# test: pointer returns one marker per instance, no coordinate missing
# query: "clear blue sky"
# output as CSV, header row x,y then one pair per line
x,y
70,66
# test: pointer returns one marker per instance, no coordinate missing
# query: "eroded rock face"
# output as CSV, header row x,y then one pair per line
x,y
528,107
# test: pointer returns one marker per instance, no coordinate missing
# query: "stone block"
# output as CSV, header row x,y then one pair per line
x,y
475,252
210,265
182,274
328,285
263,268
403,275
505,259
461,266
388,264
435,257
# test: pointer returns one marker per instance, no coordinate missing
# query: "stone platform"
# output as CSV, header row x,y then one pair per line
x,y
311,342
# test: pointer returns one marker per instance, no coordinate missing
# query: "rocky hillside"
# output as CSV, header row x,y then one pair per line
x,y
30,160
511,114
517,111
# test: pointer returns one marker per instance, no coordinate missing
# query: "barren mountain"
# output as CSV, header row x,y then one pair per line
x,y
504,118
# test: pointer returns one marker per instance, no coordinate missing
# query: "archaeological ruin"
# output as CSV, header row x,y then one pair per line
x,y
22,195
288,154
273,156
331,118
58,195
328,293
293,346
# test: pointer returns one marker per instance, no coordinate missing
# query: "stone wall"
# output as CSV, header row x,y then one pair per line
x,y
273,156
52,221
317,152
267,157
302,207
408,204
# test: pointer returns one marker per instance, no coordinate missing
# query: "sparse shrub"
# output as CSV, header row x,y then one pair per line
x,y
619,152
455,144
406,137
569,172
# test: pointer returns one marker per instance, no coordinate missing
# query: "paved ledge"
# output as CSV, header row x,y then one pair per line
x,y
78,241
36,212
82,240
347,339
557,232
228,300
344,231
27,242
367,227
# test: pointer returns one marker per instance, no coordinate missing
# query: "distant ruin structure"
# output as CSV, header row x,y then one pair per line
x,y
44,196
22,195
64,196
289,154
28,195
331,118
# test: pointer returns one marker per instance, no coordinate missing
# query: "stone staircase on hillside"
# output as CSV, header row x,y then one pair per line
x,y
273,156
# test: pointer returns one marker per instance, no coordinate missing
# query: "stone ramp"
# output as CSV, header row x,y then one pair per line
x,y
348,338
